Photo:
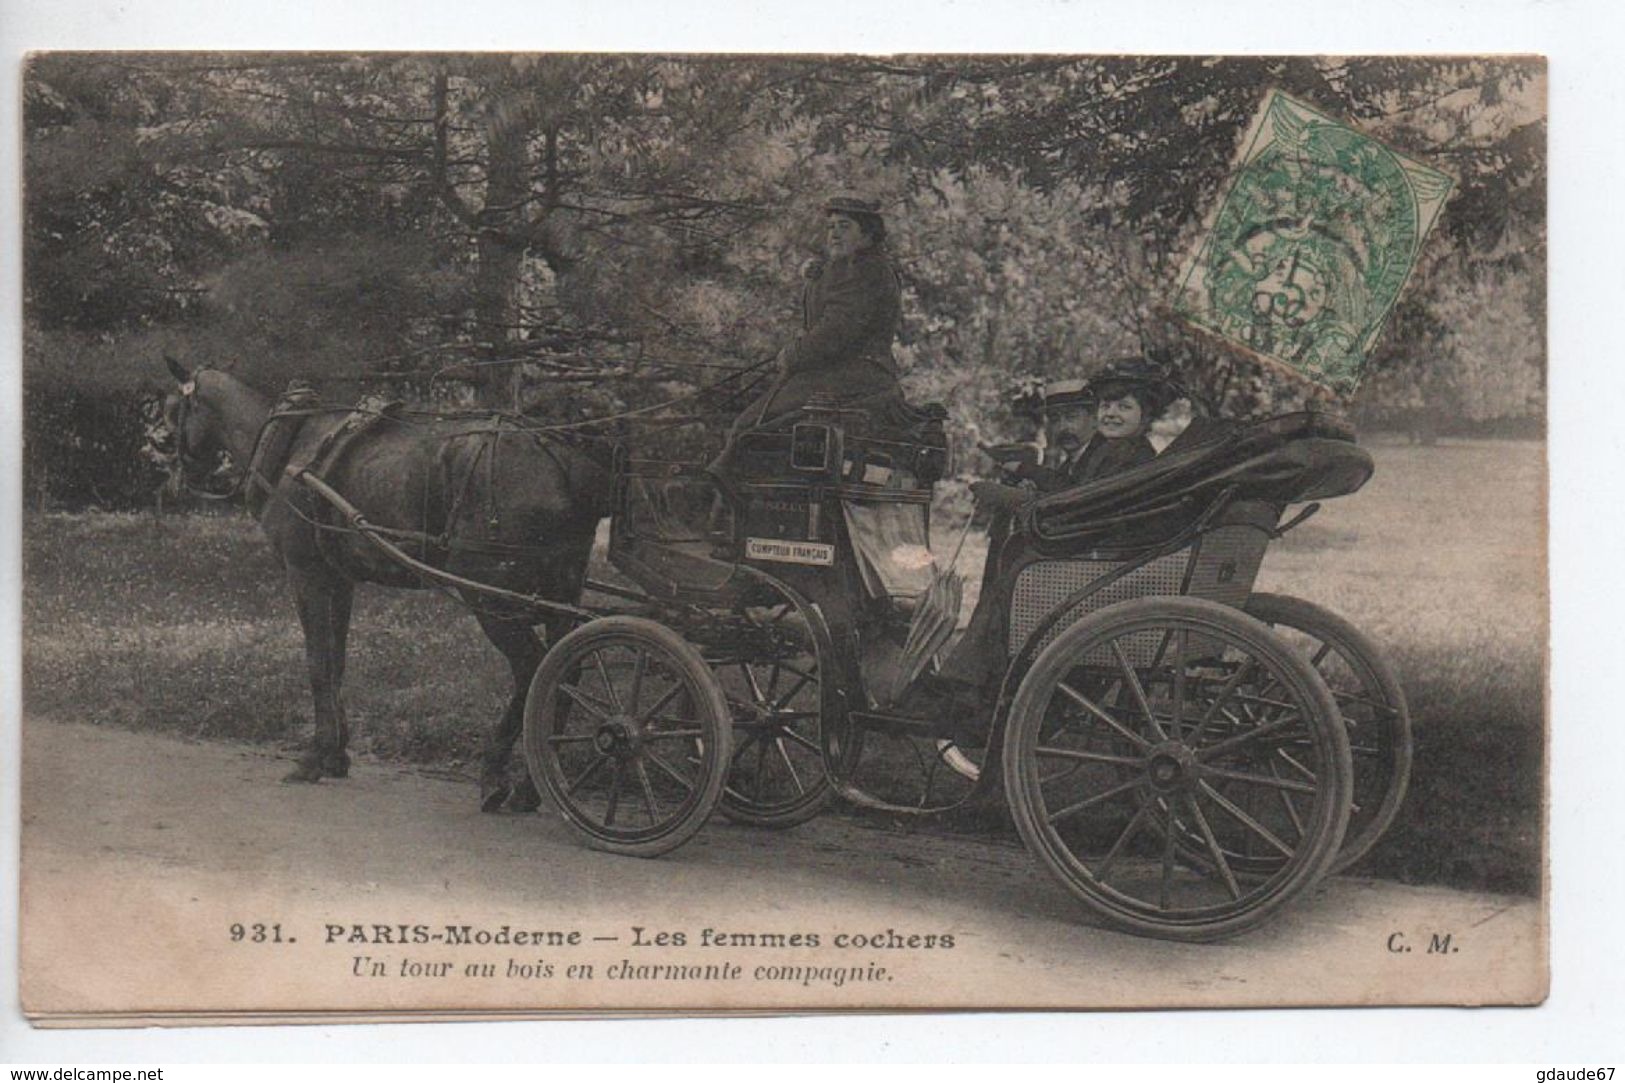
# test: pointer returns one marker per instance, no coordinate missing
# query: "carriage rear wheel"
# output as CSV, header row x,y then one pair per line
x,y
1158,721
773,672
627,729
1372,705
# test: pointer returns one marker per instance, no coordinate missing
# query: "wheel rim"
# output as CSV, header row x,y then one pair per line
x,y
772,679
1370,701
1185,788
627,739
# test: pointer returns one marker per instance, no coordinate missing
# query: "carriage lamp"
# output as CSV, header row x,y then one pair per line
x,y
814,448
932,464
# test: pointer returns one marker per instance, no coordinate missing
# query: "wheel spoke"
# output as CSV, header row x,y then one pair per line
x,y
598,709
795,778
609,685
1246,777
804,742
1296,766
674,735
1139,692
1286,802
1181,649
590,770
568,738
1164,899
1246,820
648,790
669,771
1088,757
781,719
1259,699
637,683
1320,655
1101,871
1083,701
1241,739
1230,685
802,681
614,794
1213,849
756,693
660,704
1090,802
761,767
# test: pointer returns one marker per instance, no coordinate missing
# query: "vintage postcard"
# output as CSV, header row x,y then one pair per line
x,y
524,534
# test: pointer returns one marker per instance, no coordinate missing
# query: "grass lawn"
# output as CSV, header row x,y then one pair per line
x,y
183,625
1441,558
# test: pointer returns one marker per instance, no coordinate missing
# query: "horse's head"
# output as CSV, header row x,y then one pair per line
x,y
191,432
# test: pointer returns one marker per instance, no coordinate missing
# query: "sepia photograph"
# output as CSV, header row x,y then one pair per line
x,y
514,534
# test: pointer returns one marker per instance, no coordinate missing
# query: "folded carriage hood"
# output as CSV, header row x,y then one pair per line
x,y
1281,460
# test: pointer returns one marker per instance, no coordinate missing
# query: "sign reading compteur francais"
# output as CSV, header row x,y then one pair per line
x,y
1312,242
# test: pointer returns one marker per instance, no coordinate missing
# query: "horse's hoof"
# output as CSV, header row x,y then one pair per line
x,y
305,772
492,796
337,766
524,797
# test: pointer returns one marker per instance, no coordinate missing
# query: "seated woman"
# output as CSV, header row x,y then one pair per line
x,y
1129,395
851,309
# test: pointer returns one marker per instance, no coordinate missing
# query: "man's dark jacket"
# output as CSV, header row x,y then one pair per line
x,y
1099,458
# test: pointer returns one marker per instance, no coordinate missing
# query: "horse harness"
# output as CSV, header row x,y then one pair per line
x,y
271,459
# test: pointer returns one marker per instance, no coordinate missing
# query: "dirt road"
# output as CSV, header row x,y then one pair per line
x,y
141,854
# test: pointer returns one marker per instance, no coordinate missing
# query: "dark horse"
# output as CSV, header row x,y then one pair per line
x,y
480,496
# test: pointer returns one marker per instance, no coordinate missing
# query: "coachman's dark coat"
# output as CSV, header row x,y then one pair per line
x,y
851,309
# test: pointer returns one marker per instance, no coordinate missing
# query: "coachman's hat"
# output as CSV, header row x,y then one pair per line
x,y
851,205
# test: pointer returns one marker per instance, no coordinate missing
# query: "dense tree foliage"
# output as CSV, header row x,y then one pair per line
x,y
577,234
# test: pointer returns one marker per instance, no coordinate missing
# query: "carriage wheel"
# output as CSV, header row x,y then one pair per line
x,y
627,730
1160,720
773,678
1371,702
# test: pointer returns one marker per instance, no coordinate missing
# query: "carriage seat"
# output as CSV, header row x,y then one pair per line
x,y
887,445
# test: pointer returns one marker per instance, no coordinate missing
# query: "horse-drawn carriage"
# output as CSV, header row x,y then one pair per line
x,y
1184,754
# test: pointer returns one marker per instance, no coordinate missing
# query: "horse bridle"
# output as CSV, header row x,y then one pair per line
x,y
183,450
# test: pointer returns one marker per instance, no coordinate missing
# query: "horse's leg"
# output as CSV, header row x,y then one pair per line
x,y
319,598
338,620
518,643
525,797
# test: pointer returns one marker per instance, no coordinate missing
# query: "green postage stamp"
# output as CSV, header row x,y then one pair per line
x,y
1311,243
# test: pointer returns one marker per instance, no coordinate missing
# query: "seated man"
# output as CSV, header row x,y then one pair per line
x,y
1093,429
1128,395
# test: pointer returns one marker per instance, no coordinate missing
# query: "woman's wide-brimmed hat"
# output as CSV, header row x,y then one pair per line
x,y
1151,383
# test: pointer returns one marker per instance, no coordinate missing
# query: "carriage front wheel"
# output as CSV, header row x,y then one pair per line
x,y
1155,745
628,731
